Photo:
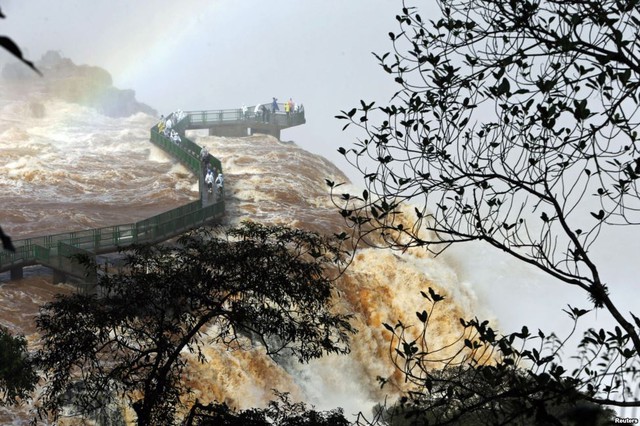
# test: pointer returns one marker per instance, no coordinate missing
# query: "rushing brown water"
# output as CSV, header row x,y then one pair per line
x,y
75,169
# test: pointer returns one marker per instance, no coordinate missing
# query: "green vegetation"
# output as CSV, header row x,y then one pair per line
x,y
17,376
268,283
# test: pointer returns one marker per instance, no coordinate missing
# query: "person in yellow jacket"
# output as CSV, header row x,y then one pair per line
x,y
161,124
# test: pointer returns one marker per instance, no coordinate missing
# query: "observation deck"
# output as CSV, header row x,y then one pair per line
x,y
236,123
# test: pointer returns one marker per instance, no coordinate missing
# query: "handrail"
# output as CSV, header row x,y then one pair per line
x,y
236,116
44,249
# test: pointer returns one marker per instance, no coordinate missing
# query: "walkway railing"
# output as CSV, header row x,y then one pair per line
x,y
237,116
54,250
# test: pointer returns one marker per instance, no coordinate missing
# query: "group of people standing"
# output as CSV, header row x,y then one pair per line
x,y
211,175
166,126
262,112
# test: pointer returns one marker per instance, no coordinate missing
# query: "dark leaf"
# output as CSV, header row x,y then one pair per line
x,y
436,297
6,241
504,87
13,48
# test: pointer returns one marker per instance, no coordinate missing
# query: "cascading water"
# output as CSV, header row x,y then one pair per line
x,y
70,168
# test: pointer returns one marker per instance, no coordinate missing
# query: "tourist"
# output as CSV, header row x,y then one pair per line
x,y
220,182
257,112
204,157
178,116
204,154
209,181
175,137
161,124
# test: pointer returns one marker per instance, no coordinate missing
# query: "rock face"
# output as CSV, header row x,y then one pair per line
x,y
82,84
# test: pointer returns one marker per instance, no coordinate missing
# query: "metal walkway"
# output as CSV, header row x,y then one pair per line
x,y
53,251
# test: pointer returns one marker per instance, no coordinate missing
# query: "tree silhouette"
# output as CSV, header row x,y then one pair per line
x,y
480,377
514,124
17,376
270,284
282,412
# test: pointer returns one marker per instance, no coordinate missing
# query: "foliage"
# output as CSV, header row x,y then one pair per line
x,y
515,124
481,377
17,376
282,413
270,283
534,409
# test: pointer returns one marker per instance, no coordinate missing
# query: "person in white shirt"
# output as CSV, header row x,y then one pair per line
x,y
209,181
220,182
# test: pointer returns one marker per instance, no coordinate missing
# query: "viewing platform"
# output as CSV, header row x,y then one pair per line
x,y
236,123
